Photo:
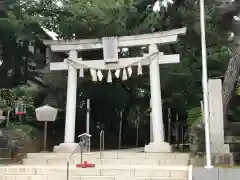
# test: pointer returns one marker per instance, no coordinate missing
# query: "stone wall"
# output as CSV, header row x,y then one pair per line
x,y
200,173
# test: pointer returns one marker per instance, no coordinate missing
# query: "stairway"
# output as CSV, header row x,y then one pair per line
x,y
109,157
114,165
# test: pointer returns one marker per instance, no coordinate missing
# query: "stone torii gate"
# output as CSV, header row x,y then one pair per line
x,y
110,46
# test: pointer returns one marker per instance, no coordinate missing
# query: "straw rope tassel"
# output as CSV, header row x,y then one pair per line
x,y
99,75
109,78
94,75
139,69
81,72
124,77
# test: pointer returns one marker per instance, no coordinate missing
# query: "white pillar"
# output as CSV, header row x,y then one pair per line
x,y
71,101
156,98
158,144
151,128
69,144
151,125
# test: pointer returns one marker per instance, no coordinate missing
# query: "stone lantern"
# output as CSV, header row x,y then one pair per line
x,y
20,108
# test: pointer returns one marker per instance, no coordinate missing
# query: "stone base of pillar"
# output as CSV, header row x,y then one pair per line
x,y
65,148
217,159
220,148
221,154
161,147
223,159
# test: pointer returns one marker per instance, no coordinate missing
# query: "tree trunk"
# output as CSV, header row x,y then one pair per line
x,y
229,82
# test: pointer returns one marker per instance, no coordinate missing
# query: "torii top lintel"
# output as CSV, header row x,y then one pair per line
x,y
163,37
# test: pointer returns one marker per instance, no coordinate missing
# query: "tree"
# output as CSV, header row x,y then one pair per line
x,y
18,31
88,19
180,83
8,98
228,11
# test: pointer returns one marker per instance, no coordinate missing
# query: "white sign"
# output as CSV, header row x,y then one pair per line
x,y
46,113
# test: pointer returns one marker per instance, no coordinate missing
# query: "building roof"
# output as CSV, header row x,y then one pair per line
x,y
51,34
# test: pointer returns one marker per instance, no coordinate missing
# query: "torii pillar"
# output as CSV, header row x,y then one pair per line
x,y
74,63
156,122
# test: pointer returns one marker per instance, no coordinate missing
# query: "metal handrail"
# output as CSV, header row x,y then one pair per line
x,y
80,145
101,143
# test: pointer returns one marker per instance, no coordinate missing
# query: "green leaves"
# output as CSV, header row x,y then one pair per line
x,y
194,115
181,83
8,97
18,29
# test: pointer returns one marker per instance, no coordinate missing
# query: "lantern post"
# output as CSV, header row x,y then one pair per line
x,y
47,114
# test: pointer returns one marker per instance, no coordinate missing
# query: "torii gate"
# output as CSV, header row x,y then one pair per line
x,y
112,62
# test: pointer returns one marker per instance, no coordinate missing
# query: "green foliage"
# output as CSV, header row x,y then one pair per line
x,y
138,115
8,97
234,114
180,83
238,90
18,30
21,131
194,115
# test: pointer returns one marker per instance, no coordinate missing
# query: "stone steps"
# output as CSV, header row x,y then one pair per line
x,y
111,155
106,172
49,177
106,162
118,158
114,165
40,177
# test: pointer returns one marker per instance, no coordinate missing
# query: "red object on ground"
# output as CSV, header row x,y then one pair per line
x,y
20,113
85,164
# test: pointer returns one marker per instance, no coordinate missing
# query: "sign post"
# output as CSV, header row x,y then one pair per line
x,y
46,113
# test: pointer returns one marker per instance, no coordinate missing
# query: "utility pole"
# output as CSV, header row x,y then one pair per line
x,y
205,86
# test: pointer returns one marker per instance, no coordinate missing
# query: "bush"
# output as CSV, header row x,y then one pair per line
x,y
23,138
